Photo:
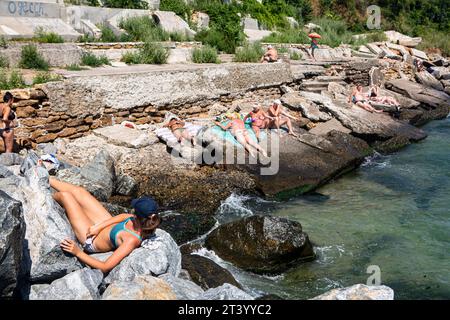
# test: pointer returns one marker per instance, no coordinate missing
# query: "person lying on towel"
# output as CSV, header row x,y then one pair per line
x,y
179,131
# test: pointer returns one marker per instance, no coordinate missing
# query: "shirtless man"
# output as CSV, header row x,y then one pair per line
x,y
260,119
360,99
6,117
271,55
237,128
281,117
178,130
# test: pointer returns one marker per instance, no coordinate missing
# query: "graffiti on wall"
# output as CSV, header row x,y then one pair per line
x,y
26,9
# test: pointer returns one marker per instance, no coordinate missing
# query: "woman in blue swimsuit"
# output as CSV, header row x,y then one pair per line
x,y
98,231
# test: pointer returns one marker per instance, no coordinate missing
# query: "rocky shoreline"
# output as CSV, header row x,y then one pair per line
x,y
119,163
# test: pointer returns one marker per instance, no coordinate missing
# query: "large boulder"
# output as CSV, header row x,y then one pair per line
x,y
157,255
309,109
322,158
364,124
183,289
419,92
427,79
358,292
12,235
79,285
141,288
46,226
97,176
186,227
206,273
10,159
225,292
262,244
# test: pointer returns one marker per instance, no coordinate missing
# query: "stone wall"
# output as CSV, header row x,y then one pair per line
x,y
74,107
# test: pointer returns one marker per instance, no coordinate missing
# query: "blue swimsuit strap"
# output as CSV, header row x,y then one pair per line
x,y
121,227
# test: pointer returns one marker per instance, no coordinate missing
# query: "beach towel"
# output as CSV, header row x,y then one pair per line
x,y
166,135
221,134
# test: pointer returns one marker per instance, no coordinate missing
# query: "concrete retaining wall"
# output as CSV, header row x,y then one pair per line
x,y
76,106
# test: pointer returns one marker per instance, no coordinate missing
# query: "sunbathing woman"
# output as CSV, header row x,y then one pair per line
x,y
357,97
98,231
260,119
374,95
280,117
179,131
239,131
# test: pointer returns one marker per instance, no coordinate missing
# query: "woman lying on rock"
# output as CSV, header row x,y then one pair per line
x,y
360,99
98,231
237,126
179,131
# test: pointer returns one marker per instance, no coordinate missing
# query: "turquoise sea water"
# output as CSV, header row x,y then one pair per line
x,y
393,212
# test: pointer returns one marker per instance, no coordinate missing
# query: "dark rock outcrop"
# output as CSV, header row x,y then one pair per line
x,y
12,235
206,273
262,244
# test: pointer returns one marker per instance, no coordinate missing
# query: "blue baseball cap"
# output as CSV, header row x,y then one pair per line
x,y
144,206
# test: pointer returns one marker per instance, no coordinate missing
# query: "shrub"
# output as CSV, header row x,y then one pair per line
x,y
287,36
107,34
249,53
125,4
3,42
86,38
178,6
205,54
282,50
30,58
90,59
15,80
295,56
143,28
43,36
179,36
74,67
432,38
131,58
150,53
43,77
153,53
4,62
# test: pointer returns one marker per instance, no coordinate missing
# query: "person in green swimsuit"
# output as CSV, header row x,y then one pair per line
x,y
98,231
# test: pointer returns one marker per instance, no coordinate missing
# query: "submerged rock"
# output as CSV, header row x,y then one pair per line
x,y
140,288
12,235
206,273
262,244
158,255
79,285
358,292
225,292
186,227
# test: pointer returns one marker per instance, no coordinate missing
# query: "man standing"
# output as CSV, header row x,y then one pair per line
x,y
6,117
271,55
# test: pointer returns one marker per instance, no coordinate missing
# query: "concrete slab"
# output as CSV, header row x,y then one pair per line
x,y
170,22
120,135
25,27
323,128
256,35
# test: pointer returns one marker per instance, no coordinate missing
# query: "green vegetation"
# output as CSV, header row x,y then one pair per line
x,y
143,28
15,80
287,36
150,53
432,39
90,59
43,77
74,67
205,54
4,63
42,36
30,58
3,42
178,6
126,4
295,55
249,53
